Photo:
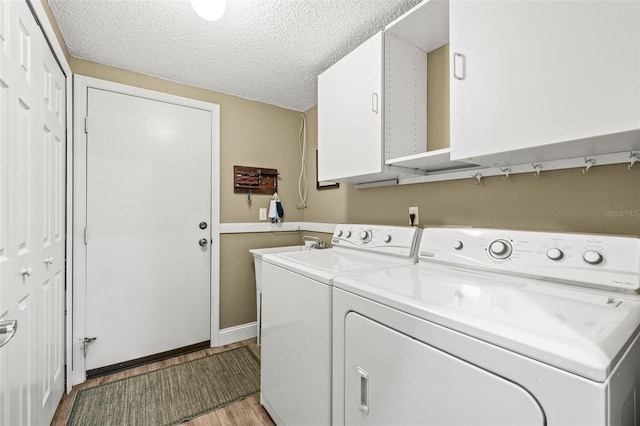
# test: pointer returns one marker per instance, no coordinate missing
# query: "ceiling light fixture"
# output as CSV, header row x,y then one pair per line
x,y
210,10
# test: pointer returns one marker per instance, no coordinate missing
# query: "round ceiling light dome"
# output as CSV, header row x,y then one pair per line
x,y
210,10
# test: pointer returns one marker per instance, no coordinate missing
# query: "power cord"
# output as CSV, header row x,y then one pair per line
x,y
303,185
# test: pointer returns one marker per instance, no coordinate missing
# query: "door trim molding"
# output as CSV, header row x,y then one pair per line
x,y
81,86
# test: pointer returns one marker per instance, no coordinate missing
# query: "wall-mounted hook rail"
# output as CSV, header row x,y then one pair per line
x,y
506,171
477,177
537,168
588,164
633,159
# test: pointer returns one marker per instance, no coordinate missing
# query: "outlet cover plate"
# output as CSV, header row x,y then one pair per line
x,y
415,211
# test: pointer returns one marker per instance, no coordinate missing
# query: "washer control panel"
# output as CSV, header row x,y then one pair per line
x,y
399,241
611,262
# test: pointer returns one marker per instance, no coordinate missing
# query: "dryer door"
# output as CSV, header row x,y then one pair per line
x,y
391,378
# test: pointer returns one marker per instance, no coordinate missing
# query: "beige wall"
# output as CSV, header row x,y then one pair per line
x,y
561,200
238,294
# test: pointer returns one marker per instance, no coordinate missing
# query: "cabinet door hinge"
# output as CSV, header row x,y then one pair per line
x,y
86,124
86,235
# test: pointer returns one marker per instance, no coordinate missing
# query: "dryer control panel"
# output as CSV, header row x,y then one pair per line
x,y
399,241
604,261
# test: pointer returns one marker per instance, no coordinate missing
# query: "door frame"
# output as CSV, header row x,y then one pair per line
x,y
81,85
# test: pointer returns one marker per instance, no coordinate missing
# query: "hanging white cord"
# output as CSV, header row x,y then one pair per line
x,y
303,187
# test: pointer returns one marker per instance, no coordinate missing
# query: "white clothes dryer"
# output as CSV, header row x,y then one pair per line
x,y
296,316
492,327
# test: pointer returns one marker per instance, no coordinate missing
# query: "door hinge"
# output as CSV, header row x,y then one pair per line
x,y
86,235
86,124
85,344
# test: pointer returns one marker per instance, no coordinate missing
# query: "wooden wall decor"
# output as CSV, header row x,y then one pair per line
x,y
257,180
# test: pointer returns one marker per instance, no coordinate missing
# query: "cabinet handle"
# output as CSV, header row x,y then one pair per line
x,y
374,102
364,390
459,69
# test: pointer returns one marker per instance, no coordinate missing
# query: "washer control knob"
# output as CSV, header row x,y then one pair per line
x,y
555,254
365,236
592,257
387,238
457,245
339,233
500,249
348,234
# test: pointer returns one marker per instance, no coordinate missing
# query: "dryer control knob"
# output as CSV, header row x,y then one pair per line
x,y
500,249
457,245
340,233
348,234
592,257
555,254
387,238
365,236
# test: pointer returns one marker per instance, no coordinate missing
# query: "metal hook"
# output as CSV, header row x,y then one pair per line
x,y
478,177
537,168
633,159
589,164
506,171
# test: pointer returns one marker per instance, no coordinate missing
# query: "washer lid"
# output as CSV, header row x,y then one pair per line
x,y
578,331
324,265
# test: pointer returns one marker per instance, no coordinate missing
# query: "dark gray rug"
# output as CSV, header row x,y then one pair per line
x,y
171,395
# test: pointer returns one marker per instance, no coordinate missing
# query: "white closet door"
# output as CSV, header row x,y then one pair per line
x,y
51,232
32,146
20,45
7,268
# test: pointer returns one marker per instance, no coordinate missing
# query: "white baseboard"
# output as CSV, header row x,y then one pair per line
x,y
238,333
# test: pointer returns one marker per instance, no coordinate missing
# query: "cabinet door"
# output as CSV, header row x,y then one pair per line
x,y
534,74
350,114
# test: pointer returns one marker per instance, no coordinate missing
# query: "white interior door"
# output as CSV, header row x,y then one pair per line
x,y
148,191
32,243
51,235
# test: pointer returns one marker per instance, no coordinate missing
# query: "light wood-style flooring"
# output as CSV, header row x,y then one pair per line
x,y
246,412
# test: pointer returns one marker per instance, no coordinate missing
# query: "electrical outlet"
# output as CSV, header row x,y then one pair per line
x,y
263,214
416,218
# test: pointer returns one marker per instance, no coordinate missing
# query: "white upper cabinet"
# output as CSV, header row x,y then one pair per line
x,y
372,104
543,80
350,114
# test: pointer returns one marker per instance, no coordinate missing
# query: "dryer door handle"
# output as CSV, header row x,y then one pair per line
x,y
364,389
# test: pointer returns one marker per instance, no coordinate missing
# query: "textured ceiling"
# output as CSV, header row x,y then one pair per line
x,y
267,50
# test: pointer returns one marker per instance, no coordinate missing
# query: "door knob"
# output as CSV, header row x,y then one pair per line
x,y
26,272
7,330
203,225
203,242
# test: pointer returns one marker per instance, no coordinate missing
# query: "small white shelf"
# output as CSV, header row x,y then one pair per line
x,y
431,161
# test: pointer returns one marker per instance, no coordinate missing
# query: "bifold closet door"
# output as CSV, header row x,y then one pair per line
x,y
31,196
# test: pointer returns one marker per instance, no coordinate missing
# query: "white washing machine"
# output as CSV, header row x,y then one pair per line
x,y
296,316
492,327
